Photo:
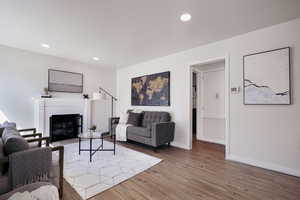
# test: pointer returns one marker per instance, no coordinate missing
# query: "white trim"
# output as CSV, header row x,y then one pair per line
x,y
227,106
264,165
200,99
227,99
213,70
45,108
179,145
212,141
208,61
200,111
196,70
213,116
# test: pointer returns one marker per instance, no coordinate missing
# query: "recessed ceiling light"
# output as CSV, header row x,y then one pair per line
x,y
95,58
185,17
45,46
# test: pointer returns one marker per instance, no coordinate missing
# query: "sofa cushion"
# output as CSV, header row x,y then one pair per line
x,y
141,131
4,184
134,119
151,117
13,141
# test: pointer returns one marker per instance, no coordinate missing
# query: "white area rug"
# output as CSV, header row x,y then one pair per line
x,y
106,170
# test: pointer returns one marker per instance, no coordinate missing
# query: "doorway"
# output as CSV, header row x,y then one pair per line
x,y
209,110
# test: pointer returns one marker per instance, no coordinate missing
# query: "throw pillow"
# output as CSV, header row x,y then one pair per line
x,y
7,124
134,119
13,141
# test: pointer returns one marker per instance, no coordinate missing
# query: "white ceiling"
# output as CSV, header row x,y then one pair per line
x,y
125,32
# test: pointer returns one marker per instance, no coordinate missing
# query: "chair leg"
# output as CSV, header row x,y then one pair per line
x,y
60,192
169,144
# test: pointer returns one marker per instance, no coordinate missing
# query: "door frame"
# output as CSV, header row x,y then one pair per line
x,y
227,99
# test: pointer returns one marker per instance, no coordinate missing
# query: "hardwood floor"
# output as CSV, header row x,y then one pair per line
x,y
199,174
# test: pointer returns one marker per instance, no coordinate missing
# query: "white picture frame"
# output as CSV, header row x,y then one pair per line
x,y
266,78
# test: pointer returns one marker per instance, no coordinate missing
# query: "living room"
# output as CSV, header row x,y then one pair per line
x,y
107,89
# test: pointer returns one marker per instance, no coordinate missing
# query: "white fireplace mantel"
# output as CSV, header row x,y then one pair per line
x,y
44,108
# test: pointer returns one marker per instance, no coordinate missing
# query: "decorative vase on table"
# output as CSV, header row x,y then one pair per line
x,y
46,94
92,130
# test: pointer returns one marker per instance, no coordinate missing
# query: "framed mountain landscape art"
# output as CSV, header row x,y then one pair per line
x,y
151,90
267,78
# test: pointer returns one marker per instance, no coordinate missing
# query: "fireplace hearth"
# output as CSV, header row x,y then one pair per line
x,y
64,127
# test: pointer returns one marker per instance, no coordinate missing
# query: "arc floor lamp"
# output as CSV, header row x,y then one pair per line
x,y
102,94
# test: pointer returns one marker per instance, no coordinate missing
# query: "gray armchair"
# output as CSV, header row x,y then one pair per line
x,y
156,129
22,166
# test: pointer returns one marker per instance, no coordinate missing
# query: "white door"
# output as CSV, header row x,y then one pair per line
x,y
211,123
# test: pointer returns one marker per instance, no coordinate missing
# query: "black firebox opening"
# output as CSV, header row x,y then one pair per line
x,y
65,126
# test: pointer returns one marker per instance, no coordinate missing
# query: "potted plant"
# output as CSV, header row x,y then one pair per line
x,y
46,91
93,128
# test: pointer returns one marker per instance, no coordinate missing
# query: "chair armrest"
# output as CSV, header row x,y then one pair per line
x,y
111,122
40,139
33,135
23,165
60,150
33,130
162,133
114,120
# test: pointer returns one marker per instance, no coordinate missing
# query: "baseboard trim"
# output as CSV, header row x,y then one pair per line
x,y
264,165
181,146
211,141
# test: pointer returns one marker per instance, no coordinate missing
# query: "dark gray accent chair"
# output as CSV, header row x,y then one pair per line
x,y
35,141
156,129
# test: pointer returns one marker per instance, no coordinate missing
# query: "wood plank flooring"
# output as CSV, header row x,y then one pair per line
x,y
198,174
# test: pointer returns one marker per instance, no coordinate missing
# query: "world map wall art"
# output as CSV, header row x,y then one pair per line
x,y
151,90
267,78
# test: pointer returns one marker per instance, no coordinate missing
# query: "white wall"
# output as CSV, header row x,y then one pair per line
x,y
211,109
24,74
266,136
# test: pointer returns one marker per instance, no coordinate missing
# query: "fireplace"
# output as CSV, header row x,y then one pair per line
x,y
65,126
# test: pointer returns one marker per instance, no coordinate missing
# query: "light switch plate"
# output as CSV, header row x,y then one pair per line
x,y
235,90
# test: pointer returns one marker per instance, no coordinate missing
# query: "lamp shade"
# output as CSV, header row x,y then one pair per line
x,y
99,96
103,96
96,96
